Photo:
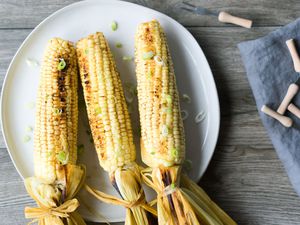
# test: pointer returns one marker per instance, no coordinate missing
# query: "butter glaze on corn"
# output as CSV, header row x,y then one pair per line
x,y
162,130
106,106
56,111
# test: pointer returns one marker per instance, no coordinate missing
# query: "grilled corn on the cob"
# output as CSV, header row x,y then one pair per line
x,y
162,135
109,121
57,177
55,133
161,124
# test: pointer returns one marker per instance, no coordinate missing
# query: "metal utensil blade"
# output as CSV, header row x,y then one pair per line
x,y
198,9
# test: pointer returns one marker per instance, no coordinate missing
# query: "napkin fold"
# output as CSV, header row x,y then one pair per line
x,y
270,71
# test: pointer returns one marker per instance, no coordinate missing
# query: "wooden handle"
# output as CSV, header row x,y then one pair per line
x,y
294,54
294,109
285,121
227,18
291,92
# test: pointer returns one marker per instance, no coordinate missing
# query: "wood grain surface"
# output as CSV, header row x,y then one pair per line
x,y
245,176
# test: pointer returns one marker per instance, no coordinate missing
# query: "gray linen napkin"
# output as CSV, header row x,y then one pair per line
x,y
270,71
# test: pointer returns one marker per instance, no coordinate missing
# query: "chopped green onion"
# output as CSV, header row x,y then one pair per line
x,y
26,138
148,55
98,111
80,149
49,154
30,105
119,45
152,153
127,58
32,63
63,157
57,111
114,26
200,117
158,60
168,110
29,129
174,152
186,98
61,65
173,186
129,90
164,130
168,99
86,51
184,114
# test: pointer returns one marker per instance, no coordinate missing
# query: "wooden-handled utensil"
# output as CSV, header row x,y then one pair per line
x,y
294,54
223,17
284,120
291,92
294,109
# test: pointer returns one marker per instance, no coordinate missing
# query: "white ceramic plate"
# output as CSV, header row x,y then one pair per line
x,y
73,22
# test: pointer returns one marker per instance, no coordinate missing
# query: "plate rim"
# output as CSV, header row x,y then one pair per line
x,y
76,4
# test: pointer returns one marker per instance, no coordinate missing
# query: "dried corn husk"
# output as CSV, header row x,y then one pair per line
x,y
47,196
172,206
127,181
196,193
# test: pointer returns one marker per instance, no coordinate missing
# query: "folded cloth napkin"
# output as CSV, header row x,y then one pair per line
x,y
270,71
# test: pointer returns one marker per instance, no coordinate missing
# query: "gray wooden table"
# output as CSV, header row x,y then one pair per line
x,y
245,176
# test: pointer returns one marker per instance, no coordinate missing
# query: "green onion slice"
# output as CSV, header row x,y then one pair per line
x,y
159,60
148,55
63,157
114,26
186,98
98,111
61,65
32,62
174,152
127,58
26,138
119,45
200,117
184,114
29,129
164,130
168,99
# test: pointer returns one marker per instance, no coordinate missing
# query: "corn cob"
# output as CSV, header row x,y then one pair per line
x,y
161,124
57,177
162,134
55,134
109,120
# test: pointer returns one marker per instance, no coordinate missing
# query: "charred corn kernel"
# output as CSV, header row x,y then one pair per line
x,y
106,105
55,133
161,124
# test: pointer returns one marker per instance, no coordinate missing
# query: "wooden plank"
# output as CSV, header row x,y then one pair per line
x,y
29,13
250,183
